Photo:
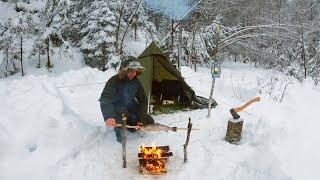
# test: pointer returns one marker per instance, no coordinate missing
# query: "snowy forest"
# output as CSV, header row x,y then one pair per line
x,y
73,107
277,34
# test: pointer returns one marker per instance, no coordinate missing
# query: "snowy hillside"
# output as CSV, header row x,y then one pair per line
x,y
52,128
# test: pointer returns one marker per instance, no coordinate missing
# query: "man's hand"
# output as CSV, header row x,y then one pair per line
x,y
111,122
139,124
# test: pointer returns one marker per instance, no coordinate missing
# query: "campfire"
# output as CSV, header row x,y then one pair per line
x,y
152,160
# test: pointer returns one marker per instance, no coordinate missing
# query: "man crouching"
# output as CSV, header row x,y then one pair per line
x,y
124,94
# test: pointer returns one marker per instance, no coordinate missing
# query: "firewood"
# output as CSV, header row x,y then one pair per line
x,y
143,170
165,154
143,161
163,148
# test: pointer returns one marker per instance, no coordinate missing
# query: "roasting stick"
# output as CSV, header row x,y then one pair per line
x,y
141,127
186,129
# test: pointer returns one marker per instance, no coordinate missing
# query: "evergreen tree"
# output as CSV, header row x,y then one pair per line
x,y
96,24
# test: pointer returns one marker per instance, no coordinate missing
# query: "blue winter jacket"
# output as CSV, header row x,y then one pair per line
x,y
119,96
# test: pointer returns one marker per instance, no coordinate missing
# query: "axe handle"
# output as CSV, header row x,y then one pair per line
x,y
137,127
240,108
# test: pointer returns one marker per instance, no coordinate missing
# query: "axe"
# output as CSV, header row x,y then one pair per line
x,y
234,111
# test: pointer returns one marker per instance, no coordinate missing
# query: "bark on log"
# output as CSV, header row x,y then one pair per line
x,y
234,131
143,170
143,161
21,54
165,154
163,148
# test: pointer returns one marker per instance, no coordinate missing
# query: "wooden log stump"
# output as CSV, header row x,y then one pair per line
x,y
234,130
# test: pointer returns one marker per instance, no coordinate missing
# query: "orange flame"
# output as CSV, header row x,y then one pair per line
x,y
154,164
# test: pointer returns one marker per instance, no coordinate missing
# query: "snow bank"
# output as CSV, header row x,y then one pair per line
x,y
52,128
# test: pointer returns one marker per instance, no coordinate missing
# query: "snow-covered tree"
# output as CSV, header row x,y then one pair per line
x,y
53,20
96,24
6,38
16,31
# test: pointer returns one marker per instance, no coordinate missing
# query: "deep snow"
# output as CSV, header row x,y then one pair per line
x,y
51,129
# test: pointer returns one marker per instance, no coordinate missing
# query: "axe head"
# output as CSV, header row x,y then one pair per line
x,y
234,114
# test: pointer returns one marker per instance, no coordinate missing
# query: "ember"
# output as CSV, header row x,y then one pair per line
x,y
153,159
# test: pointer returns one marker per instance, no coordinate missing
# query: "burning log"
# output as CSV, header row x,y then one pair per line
x,y
164,154
163,148
153,166
153,159
187,141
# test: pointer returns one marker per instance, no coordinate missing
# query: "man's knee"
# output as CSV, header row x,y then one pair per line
x,y
149,119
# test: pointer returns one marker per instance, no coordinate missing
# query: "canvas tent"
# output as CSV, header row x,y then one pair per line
x,y
161,80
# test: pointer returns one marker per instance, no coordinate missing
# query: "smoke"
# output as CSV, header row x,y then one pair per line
x,y
175,9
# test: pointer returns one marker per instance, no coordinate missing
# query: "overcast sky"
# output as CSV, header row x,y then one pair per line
x,y
171,8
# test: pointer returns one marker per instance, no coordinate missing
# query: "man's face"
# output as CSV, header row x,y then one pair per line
x,y
131,74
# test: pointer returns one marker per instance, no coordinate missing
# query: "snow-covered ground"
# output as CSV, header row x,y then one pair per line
x,y
51,129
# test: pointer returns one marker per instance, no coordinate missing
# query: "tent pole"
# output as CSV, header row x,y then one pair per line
x,y
148,110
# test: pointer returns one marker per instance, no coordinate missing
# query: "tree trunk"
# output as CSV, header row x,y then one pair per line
x,y
7,62
279,11
193,40
135,31
39,65
13,66
48,53
118,27
210,98
303,57
21,53
172,34
128,25
179,47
